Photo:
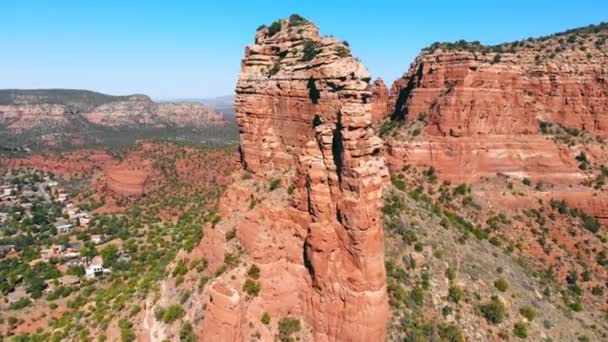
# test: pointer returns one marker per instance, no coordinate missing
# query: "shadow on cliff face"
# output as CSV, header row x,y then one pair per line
x,y
401,110
337,148
313,92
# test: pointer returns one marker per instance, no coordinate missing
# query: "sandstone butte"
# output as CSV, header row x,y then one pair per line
x,y
484,109
304,110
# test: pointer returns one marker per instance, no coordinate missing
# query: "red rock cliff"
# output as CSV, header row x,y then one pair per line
x,y
380,100
519,109
304,112
484,107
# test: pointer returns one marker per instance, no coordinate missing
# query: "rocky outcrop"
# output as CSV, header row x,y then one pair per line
x,y
126,180
380,100
304,113
470,93
486,109
222,317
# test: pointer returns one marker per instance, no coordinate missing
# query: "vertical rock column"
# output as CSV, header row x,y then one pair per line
x,y
303,103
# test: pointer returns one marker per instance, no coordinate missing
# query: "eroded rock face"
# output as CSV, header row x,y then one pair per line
x,y
304,113
126,180
484,110
380,100
470,94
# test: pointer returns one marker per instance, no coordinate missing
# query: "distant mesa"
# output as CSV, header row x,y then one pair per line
x,y
66,117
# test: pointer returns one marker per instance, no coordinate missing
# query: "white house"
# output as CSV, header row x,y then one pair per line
x,y
64,228
95,270
83,218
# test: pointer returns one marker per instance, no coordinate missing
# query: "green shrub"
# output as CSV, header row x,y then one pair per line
x,y
21,303
417,296
450,273
251,287
597,291
134,310
274,28
254,272
431,174
494,311
309,51
455,294
494,240
296,20
172,313
287,327
501,284
231,234
590,223
520,329
186,333
528,312
343,51
184,297
77,270
461,189
274,184
576,306
526,181
126,331
398,183
451,333
265,318
180,269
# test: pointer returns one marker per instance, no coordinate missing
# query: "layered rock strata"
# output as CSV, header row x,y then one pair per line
x,y
484,109
487,110
304,113
380,100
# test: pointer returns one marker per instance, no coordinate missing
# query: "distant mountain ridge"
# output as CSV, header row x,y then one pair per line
x,y
224,103
60,117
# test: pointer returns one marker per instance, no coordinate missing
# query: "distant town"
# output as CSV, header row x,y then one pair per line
x,y
43,227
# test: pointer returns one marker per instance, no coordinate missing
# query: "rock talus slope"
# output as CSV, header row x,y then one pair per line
x,y
304,113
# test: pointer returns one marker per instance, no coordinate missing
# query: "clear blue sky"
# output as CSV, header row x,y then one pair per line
x,y
192,49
